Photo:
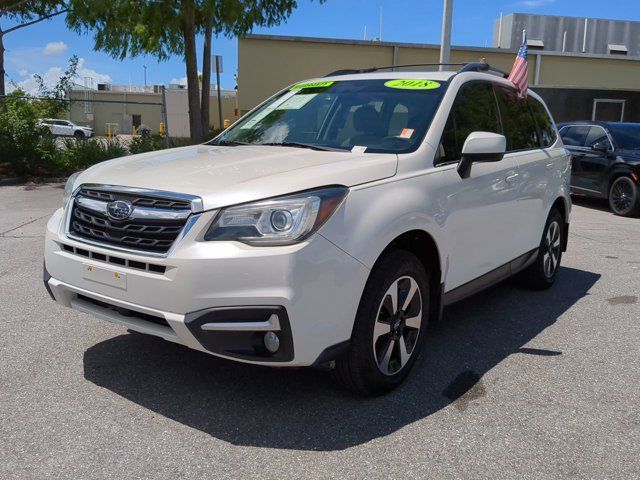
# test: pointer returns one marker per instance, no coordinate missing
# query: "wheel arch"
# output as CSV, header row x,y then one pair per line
x,y
561,205
618,170
424,247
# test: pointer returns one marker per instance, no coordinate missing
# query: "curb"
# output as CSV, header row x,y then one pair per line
x,y
6,182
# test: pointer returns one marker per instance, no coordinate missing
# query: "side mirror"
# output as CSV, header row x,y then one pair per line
x,y
481,147
600,147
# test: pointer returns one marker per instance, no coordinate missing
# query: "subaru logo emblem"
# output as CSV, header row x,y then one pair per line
x,y
119,210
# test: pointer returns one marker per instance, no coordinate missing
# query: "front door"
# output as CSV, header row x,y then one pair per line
x,y
482,209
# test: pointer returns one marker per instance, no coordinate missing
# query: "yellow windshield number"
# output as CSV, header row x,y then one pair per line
x,y
412,84
304,86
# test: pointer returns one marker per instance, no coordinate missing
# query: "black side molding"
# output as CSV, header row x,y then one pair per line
x,y
491,278
45,278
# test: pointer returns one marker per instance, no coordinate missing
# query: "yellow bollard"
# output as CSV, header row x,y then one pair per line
x,y
227,123
109,131
133,130
161,129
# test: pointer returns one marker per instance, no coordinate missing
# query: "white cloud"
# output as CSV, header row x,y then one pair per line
x,y
179,81
182,80
53,74
55,48
23,72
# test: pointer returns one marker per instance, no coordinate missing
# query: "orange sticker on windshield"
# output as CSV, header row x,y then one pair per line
x,y
406,133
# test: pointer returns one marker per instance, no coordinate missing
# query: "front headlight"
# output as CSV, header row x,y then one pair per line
x,y
279,221
68,189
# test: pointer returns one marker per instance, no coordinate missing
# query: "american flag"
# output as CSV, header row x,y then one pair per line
x,y
520,71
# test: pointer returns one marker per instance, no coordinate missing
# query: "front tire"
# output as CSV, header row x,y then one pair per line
x,y
389,327
79,135
543,272
623,197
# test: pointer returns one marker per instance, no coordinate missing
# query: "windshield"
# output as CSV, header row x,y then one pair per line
x,y
626,135
374,116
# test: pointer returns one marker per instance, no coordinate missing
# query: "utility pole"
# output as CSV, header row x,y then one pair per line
x,y
445,44
218,65
145,75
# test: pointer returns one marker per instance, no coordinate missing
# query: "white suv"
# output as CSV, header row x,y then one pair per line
x,y
327,227
66,128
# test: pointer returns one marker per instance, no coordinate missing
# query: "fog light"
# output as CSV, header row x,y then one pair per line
x,y
271,342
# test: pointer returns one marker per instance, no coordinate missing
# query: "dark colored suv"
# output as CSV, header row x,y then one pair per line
x,y
606,162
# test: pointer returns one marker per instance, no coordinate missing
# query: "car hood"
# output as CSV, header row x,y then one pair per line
x,y
224,176
633,155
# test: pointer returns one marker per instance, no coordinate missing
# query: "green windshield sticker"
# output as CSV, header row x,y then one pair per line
x,y
413,84
302,86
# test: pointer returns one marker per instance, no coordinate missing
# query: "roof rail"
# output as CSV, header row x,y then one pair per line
x,y
482,67
388,67
465,67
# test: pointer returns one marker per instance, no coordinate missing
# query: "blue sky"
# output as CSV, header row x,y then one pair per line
x,y
45,48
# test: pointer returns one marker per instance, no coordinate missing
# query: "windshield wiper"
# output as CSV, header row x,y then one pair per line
x,y
230,143
304,145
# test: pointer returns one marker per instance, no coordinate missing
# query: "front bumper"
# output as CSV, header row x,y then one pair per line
x,y
313,288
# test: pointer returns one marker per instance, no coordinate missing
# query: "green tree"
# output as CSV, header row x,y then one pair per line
x,y
164,28
23,13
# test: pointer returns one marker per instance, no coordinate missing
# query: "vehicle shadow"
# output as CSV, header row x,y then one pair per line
x,y
303,409
601,204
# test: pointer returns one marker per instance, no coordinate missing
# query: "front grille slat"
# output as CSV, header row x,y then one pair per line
x,y
149,234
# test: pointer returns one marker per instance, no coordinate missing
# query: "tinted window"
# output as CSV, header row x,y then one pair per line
x,y
575,136
626,135
597,135
518,123
544,122
474,110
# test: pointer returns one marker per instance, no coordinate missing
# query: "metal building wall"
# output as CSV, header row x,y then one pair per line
x,y
550,29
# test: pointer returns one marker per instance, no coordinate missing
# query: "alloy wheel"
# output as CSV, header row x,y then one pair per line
x,y
622,197
551,249
397,326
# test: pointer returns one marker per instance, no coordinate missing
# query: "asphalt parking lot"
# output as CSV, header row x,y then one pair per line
x,y
514,384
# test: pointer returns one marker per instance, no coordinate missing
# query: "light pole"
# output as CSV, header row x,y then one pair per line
x,y
145,75
445,43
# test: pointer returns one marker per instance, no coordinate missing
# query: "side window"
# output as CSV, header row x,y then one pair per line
x,y
544,122
517,121
597,135
474,110
575,136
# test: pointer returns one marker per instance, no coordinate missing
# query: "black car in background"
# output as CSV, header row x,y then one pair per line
x,y
606,162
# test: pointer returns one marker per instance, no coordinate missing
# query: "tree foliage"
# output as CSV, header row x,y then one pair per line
x,y
21,14
162,28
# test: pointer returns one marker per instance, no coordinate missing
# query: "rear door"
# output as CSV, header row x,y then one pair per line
x,y
524,146
482,209
574,138
597,159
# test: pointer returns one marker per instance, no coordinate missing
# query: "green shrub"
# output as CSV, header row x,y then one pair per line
x,y
80,154
27,148
146,143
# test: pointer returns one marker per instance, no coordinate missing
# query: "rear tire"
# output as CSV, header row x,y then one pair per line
x,y
623,197
543,272
389,328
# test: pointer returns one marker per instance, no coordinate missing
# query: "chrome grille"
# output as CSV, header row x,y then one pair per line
x,y
153,225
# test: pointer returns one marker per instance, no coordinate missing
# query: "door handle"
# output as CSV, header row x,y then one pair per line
x,y
512,177
550,165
